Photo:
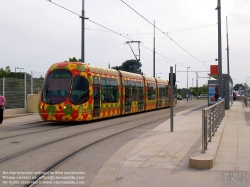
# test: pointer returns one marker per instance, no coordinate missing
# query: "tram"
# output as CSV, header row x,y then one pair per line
x,y
75,91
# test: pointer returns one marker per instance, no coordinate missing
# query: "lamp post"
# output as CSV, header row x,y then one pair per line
x,y
156,75
187,78
175,72
20,70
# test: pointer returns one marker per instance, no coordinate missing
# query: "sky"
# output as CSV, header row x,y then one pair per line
x,y
36,34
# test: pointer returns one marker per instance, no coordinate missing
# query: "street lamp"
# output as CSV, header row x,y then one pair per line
x,y
20,70
187,78
156,75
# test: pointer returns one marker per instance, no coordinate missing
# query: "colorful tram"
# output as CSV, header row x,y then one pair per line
x,y
75,91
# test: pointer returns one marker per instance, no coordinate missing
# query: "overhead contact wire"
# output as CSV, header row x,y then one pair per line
x,y
113,31
164,34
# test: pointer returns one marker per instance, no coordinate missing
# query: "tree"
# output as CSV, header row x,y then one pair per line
x,y
239,87
117,67
201,90
5,72
73,60
132,66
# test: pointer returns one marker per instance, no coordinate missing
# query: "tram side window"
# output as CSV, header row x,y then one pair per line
x,y
80,90
114,90
134,91
166,89
151,91
162,92
127,91
109,90
96,88
141,89
105,84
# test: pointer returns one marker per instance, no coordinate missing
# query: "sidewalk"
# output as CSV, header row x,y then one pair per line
x,y
158,156
21,119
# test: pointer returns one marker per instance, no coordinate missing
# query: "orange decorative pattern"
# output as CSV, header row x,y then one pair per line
x,y
66,111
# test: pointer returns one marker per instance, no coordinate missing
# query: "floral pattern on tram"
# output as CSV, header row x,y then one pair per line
x,y
109,84
75,91
151,93
132,92
66,111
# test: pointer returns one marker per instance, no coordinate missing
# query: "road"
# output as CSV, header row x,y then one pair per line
x,y
80,150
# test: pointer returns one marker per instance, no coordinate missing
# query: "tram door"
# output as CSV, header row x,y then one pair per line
x,y
96,96
127,96
141,96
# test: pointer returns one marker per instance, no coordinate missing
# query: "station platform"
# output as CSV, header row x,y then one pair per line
x,y
163,158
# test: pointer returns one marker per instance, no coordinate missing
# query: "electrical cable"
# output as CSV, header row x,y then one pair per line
x,y
165,34
157,33
64,8
122,35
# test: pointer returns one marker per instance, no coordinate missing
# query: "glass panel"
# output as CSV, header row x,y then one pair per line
x,y
128,91
56,87
109,90
80,90
151,91
135,96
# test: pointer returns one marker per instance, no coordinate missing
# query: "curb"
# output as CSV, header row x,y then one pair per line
x,y
206,160
16,115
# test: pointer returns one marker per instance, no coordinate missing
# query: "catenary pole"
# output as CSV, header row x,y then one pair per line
x,y
228,72
82,50
171,98
219,50
154,53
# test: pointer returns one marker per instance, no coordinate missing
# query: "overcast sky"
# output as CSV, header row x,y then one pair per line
x,y
36,33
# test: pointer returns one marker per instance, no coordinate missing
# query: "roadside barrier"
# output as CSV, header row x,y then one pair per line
x,y
211,119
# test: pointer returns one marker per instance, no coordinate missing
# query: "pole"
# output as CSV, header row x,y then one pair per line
x,y
82,52
175,72
219,51
227,51
25,93
3,86
31,82
196,84
154,53
171,98
246,87
187,79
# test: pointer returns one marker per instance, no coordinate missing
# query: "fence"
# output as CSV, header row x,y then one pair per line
x,y
246,101
15,90
211,119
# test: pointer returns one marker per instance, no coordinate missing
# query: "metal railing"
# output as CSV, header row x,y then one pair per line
x,y
15,90
211,119
246,101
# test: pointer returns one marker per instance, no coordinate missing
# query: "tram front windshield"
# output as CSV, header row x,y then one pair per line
x,y
57,86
